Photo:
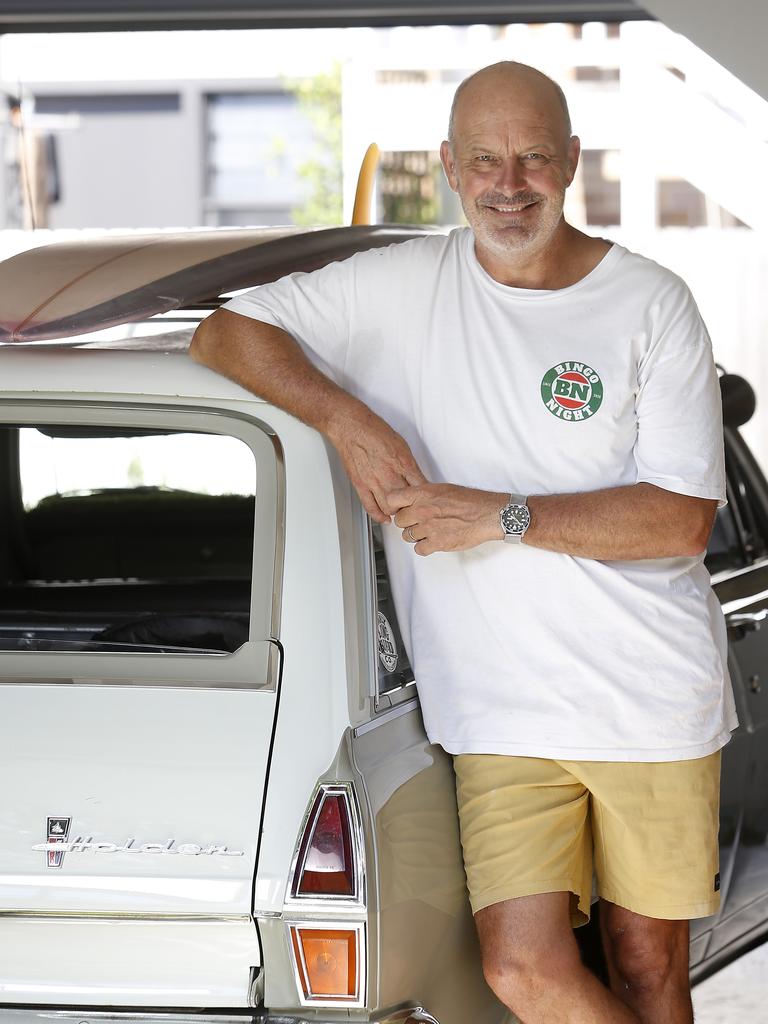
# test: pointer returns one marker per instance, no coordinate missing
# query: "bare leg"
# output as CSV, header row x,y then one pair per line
x,y
648,964
532,963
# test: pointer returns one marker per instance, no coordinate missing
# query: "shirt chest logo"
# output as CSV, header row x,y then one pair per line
x,y
572,391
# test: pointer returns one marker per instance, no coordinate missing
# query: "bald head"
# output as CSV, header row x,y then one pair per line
x,y
506,81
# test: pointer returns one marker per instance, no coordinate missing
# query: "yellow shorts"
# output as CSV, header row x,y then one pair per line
x,y
531,825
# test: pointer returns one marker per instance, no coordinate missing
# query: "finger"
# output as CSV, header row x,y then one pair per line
x,y
384,503
423,547
410,537
406,517
403,497
371,506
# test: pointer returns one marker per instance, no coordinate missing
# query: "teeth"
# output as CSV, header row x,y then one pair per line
x,y
510,209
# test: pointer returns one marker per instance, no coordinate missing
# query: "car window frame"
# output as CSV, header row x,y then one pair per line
x,y
747,493
383,700
256,664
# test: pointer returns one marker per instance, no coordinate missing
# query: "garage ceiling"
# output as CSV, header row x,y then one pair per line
x,y
103,15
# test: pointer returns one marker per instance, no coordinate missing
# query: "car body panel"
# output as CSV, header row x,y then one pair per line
x,y
423,915
149,963
149,759
135,768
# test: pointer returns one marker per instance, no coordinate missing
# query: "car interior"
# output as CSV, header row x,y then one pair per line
x,y
148,567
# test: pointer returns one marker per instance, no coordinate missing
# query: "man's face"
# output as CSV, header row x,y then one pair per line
x,y
510,163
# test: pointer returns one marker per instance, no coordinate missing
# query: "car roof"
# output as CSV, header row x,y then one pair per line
x,y
61,373
67,289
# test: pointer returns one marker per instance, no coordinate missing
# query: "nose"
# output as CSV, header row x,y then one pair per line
x,y
511,176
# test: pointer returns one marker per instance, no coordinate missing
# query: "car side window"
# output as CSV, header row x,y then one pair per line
x,y
740,534
725,549
394,668
125,540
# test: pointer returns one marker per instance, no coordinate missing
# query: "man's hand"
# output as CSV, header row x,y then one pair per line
x,y
446,517
377,459
268,361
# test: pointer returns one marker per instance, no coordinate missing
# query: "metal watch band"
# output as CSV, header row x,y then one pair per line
x,y
514,534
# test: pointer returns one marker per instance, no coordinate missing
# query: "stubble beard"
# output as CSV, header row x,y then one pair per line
x,y
516,236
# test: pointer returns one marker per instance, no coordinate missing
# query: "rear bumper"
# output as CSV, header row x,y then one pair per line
x,y
18,1015
411,1015
416,1015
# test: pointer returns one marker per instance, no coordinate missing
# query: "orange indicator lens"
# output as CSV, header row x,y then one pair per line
x,y
327,962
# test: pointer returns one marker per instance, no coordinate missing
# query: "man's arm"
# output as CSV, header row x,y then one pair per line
x,y
268,361
616,523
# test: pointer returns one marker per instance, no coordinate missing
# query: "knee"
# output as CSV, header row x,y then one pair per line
x,y
522,978
646,962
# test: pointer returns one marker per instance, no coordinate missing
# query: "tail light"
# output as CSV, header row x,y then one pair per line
x,y
329,862
329,952
329,963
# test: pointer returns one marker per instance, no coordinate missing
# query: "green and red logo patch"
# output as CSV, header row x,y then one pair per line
x,y
572,391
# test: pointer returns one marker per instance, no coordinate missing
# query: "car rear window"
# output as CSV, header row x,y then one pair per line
x,y
126,539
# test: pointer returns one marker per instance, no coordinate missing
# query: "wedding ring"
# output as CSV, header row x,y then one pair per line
x,y
408,534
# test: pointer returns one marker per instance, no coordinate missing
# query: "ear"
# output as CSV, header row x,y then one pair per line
x,y
449,165
574,151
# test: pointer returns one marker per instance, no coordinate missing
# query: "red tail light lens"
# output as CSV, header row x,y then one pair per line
x,y
326,863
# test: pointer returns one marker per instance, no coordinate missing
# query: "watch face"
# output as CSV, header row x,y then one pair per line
x,y
515,518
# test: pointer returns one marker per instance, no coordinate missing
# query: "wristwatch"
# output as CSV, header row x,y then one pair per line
x,y
515,518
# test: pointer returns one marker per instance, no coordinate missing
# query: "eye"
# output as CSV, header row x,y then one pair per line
x,y
534,157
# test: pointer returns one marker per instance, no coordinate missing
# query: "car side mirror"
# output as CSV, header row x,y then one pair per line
x,y
738,400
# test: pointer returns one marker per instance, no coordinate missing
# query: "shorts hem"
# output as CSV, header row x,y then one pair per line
x,y
637,755
668,912
501,893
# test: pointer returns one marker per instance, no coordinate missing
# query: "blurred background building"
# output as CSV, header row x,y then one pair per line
x,y
154,130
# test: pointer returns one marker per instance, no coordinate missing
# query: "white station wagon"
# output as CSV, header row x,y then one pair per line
x,y
218,801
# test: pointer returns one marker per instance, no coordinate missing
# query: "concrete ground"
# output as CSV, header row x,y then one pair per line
x,y
736,995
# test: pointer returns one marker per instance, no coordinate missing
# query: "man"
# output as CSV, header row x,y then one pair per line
x,y
577,673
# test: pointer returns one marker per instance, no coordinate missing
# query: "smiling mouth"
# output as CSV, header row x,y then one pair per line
x,y
509,207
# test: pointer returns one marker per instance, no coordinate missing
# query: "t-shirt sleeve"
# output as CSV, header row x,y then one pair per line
x,y
679,442
314,308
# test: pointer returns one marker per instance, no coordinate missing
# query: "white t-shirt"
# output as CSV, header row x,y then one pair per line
x,y
611,381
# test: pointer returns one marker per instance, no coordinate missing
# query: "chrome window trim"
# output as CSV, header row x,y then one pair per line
x,y
116,915
372,606
381,701
358,1001
256,664
322,904
744,602
730,574
397,711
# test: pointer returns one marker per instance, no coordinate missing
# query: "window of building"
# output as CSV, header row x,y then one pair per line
x,y
256,143
601,186
409,188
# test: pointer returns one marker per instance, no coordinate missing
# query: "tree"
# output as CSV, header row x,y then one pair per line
x,y
319,98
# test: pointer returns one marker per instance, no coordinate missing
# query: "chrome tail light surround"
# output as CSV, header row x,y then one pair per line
x,y
323,954
356,897
328,927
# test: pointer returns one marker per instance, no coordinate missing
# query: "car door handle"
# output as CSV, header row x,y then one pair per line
x,y
746,622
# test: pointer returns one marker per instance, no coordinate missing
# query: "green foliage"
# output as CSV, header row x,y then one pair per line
x,y
320,99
